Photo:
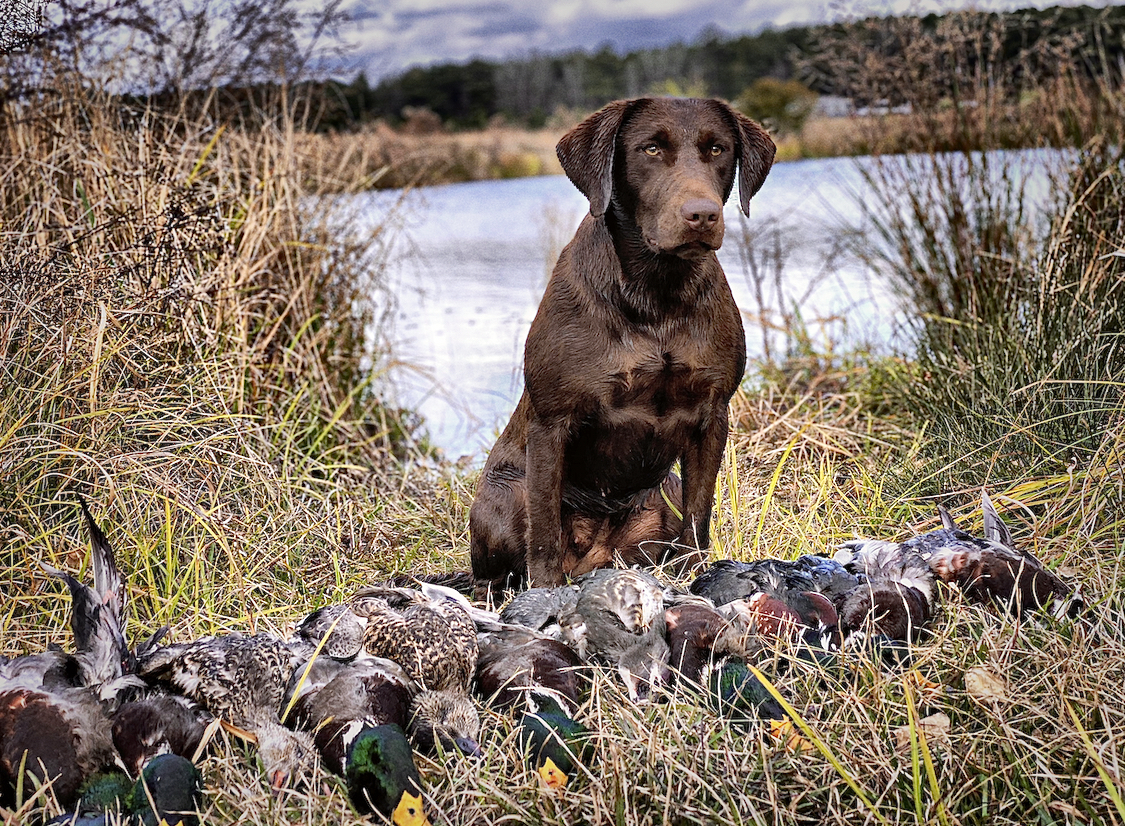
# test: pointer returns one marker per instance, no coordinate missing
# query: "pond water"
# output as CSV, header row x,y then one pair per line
x,y
467,264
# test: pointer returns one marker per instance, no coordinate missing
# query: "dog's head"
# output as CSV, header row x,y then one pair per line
x,y
668,165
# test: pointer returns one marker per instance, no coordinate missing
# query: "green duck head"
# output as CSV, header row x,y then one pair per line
x,y
381,776
169,791
104,792
555,743
735,692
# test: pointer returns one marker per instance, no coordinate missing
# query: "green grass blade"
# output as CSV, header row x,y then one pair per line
x,y
821,746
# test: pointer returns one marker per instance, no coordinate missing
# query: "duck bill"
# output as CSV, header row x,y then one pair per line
x,y
278,779
468,747
786,733
409,811
552,775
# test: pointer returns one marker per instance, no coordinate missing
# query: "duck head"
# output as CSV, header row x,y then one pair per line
x,y
448,718
644,668
555,743
381,776
285,754
169,791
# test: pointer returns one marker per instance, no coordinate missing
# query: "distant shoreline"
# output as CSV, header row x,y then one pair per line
x,y
380,157
384,158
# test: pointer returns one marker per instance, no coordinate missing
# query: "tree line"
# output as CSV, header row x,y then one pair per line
x,y
529,89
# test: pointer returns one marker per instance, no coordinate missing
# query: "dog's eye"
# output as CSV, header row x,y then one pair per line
x,y
716,150
651,149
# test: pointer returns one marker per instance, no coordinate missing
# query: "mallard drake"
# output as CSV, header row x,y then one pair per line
x,y
989,570
334,699
555,743
242,680
356,711
709,656
168,792
515,660
381,776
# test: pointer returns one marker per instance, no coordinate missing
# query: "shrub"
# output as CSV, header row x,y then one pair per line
x,y
781,105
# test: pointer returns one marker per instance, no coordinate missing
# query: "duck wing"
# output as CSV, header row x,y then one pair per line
x,y
97,618
727,580
540,608
826,576
515,660
435,642
340,624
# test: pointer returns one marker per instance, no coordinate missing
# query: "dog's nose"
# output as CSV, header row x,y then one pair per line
x,y
701,213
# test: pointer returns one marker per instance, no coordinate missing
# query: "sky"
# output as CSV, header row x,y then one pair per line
x,y
390,36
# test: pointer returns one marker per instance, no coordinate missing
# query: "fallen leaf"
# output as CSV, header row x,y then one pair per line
x,y
935,729
986,686
785,732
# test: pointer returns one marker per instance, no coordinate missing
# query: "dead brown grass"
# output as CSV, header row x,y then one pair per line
x,y
379,156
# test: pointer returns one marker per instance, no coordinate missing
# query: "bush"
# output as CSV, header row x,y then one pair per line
x,y
780,105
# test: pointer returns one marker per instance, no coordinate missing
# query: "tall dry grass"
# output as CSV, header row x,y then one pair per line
x,y
1006,263
379,157
187,340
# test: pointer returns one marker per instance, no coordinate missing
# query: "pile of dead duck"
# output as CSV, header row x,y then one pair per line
x,y
112,732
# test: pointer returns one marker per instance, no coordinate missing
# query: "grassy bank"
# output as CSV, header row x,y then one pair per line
x,y
182,344
380,157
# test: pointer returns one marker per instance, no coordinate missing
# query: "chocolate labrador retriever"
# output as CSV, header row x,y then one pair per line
x,y
632,357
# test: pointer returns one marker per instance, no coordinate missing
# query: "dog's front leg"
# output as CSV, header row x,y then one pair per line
x,y
546,448
699,466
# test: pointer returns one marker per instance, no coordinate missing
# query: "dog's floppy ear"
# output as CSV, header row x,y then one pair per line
x,y
586,154
755,157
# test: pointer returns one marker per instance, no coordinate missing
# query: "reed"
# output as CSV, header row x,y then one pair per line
x,y
1007,264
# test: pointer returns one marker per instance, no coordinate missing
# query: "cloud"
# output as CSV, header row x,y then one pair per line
x,y
390,36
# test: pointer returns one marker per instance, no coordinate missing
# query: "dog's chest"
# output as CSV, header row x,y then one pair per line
x,y
664,374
